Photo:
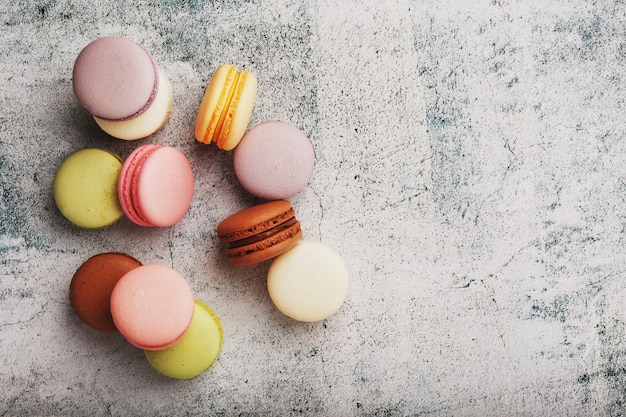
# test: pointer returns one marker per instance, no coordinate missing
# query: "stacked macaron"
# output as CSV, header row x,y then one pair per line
x,y
119,83
153,308
273,161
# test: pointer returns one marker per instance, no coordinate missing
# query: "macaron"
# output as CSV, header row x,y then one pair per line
x,y
196,351
226,107
85,188
309,282
155,185
92,285
274,160
152,306
119,83
260,232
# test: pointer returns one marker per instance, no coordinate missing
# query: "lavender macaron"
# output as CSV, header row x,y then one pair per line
x,y
119,83
274,160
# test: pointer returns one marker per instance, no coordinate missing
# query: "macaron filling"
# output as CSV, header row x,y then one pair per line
x,y
233,79
134,195
254,220
126,183
264,235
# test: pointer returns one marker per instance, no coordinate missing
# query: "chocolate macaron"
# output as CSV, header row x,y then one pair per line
x,y
92,285
260,232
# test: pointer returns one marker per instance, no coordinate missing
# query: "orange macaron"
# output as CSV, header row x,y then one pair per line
x,y
226,107
260,232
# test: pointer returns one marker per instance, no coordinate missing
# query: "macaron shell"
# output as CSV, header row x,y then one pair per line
x,y
115,78
274,160
163,187
196,351
85,186
145,124
308,282
152,306
92,285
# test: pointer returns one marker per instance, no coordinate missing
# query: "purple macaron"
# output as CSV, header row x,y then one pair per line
x,y
274,160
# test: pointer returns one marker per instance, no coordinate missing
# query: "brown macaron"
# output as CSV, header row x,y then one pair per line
x,y
92,285
260,232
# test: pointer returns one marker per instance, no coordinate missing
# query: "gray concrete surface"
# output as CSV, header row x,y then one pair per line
x,y
470,170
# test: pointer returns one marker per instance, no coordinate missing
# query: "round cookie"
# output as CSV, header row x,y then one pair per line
x,y
226,107
152,306
120,84
260,232
274,160
155,186
196,351
309,282
85,188
91,287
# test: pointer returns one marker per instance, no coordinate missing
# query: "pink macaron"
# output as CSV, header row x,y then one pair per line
x,y
155,186
274,160
152,306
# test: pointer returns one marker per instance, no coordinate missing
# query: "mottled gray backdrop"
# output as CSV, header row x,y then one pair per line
x,y
470,170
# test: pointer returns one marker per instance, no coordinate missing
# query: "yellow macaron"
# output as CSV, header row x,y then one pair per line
x,y
226,107
85,188
196,351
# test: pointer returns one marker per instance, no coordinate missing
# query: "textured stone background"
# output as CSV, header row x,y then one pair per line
x,y
470,170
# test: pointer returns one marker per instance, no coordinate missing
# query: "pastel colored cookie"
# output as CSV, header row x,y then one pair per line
x,y
226,107
92,285
309,282
120,84
152,306
260,232
155,186
196,351
274,160
85,188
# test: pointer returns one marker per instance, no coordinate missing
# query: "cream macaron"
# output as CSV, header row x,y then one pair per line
x,y
309,282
